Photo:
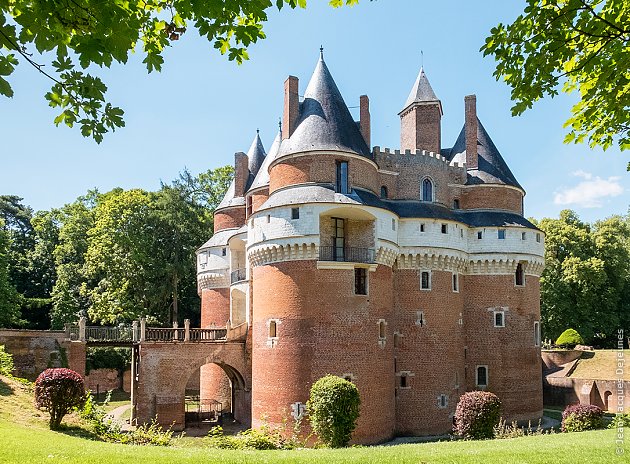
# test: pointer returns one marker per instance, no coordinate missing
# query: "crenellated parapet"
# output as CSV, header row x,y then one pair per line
x,y
268,253
533,265
212,279
443,260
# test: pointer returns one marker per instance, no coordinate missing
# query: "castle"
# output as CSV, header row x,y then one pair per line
x,y
410,272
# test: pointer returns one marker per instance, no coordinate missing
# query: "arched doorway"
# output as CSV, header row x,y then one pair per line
x,y
608,401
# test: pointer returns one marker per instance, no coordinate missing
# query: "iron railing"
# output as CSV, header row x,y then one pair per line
x,y
238,276
347,254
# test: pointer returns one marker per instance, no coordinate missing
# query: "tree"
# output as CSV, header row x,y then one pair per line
x,y
578,46
586,280
9,297
83,33
333,410
59,391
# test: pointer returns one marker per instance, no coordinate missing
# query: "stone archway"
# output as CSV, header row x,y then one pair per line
x,y
164,370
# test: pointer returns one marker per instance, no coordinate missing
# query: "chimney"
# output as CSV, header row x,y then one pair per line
x,y
470,103
364,119
241,174
291,106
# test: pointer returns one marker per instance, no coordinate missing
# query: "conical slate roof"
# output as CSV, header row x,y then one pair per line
x,y
492,168
256,156
325,123
421,91
262,178
229,199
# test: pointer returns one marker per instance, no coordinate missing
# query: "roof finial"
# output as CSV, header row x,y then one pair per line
x,y
280,125
421,59
321,52
257,131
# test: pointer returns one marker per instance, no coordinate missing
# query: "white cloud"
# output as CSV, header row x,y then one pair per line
x,y
589,193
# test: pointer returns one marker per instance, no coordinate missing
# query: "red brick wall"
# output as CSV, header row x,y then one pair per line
x,y
215,307
323,168
492,198
514,363
323,329
433,352
258,198
420,128
229,218
214,384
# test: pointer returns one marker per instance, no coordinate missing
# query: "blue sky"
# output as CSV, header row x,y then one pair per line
x,y
203,108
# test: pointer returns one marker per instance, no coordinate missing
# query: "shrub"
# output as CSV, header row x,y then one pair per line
x,y
59,391
107,358
580,417
569,338
620,421
333,409
477,414
6,362
256,439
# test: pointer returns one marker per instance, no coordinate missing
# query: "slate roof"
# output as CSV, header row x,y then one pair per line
x,y
262,178
492,167
403,208
229,199
421,91
325,123
256,157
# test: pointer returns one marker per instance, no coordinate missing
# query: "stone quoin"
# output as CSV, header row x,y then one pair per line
x,y
411,272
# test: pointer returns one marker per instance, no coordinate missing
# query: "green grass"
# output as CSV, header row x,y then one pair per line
x,y
118,398
25,439
600,364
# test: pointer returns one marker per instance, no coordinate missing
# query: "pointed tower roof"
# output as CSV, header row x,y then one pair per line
x,y
492,168
255,155
262,178
230,198
325,123
421,92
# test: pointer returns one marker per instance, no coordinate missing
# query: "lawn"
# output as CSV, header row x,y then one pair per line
x,y
25,439
600,364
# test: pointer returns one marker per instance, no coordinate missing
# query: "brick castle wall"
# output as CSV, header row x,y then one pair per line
x,y
229,218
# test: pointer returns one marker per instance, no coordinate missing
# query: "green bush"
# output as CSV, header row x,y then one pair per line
x,y
254,439
107,358
620,421
333,409
477,414
569,338
6,362
580,417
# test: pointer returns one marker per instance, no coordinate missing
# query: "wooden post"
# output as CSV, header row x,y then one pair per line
x,y
186,330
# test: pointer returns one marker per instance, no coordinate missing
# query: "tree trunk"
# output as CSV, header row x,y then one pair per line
x,y
175,303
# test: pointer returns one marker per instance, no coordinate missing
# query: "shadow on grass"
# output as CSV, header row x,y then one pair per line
x,y
5,389
78,432
587,355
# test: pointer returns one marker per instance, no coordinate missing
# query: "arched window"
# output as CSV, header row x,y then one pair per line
x,y
383,192
427,190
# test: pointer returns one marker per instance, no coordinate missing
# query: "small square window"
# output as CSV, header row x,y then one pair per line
x,y
295,213
538,238
456,282
456,203
501,234
223,251
523,235
499,319
393,224
425,280
445,228
360,281
268,218
421,227
442,401
479,235
461,233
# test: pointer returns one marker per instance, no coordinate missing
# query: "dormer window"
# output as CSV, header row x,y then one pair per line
x,y
427,190
342,177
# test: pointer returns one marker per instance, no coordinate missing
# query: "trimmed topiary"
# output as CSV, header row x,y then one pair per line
x,y
333,409
477,414
580,417
569,338
59,391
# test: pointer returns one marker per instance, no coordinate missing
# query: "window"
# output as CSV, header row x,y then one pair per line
x,y
501,234
425,280
445,228
519,276
523,235
295,213
268,218
223,251
383,192
442,401
499,318
482,376
382,334
403,380
455,282
339,240
536,333
538,238
479,235
393,224
342,177
273,329
420,321
456,203
461,233
421,227
427,190
360,281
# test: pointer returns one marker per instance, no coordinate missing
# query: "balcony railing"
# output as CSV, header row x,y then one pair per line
x,y
238,276
347,254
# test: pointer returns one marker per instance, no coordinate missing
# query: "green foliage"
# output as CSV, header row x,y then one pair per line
x,y
504,430
569,338
107,358
586,281
76,35
6,362
59,391
333,409
620,421
9,298
477,414
251,439
581,417
575,46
